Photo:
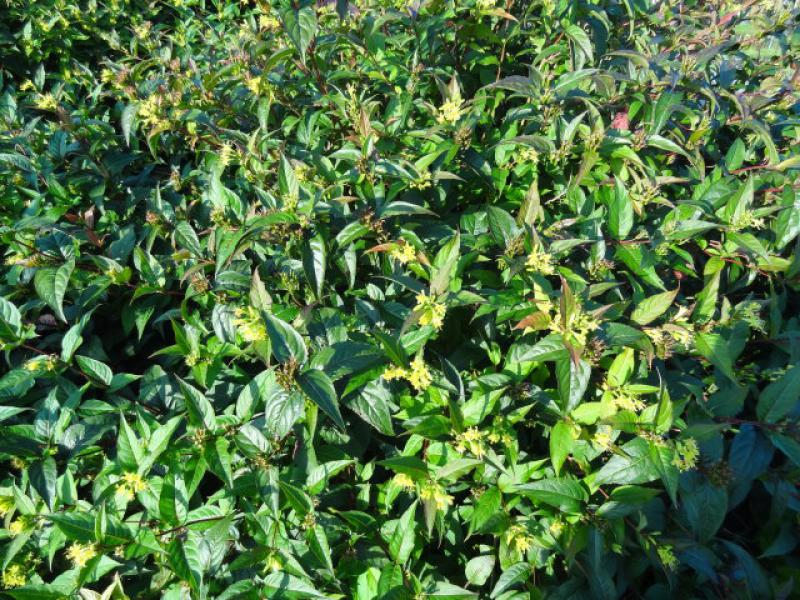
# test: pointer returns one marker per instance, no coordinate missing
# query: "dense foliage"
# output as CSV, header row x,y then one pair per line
x,y
391,301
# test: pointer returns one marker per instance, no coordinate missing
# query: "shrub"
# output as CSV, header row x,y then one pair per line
x,y
386,300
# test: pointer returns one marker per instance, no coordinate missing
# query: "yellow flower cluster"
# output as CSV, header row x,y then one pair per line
x,y
41,364
517,538
667,557
746,220
403,481
14,576
556,528
419,376
470,440
686,454
424,181
250,324
624,399
46,102
578,326
130,484
20,525
403,253
602,439
526,154
430,311
260,86
6,504
81,554
450,111
432,491
273,562
268,23
540,262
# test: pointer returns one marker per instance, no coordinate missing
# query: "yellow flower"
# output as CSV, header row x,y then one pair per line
x,y
394,372
149,111
686,454
540,262
667,557
526,154
624,399
423,182
6,504
80,554
577,328
472,440
225,154
518,538
431,312
250,325
274,563
402,480
419,376
14,576
18,526
602,439
450,111
556,527
46,102
130,484
403,253
268,23
432,491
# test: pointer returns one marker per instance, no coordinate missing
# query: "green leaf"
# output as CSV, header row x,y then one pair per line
x,y
373,404
129,448
620,212
479,569
186,237
410,465
444,265
184,558
51,285
318,387
704,506
565,494
95,370
289,586
173,503
513,575
649,309
199,408
780,397
634,465
402,540
713,347
573,381
561,439
314,263
301,27
80,527
549,348
287,344
43,475
318,542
